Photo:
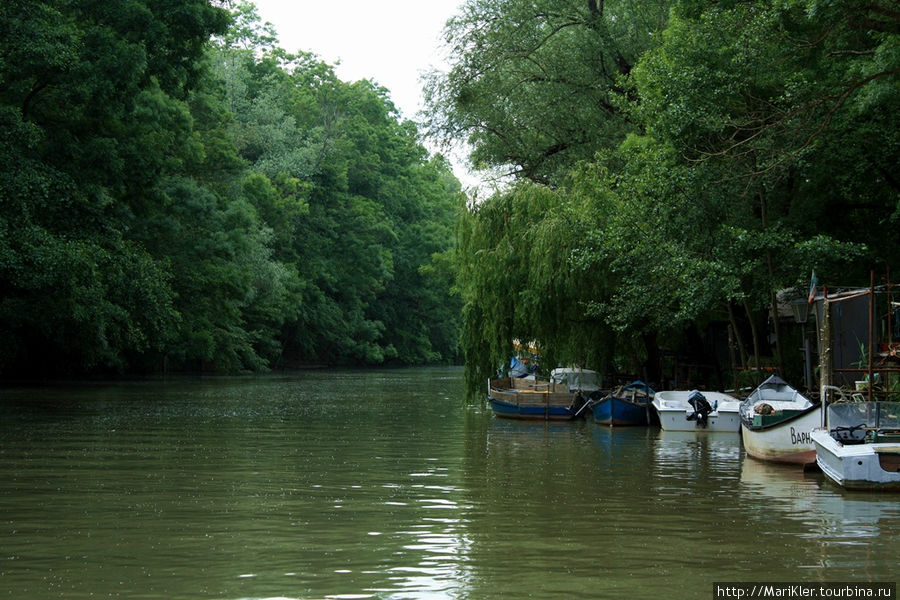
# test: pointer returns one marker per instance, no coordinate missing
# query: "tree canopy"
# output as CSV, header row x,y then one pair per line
x,y
537,86
178,192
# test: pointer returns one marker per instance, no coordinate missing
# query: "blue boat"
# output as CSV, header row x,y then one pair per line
x,y
536,411
628,405
560,400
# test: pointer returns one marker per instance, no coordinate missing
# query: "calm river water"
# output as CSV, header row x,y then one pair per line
x,y
384,484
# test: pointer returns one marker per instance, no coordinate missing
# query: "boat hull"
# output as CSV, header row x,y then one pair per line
x,y
618,412
677,421
858,466
776,423
787,440
673,410
534,412
528,399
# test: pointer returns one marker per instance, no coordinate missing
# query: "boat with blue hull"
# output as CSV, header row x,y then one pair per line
x,y
563,398
628,405
539,411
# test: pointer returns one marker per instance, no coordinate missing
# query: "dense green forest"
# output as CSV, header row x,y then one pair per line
x,y
179,193
673,165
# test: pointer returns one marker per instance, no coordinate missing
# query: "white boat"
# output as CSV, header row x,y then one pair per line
x,y
697,411
859,447
776,423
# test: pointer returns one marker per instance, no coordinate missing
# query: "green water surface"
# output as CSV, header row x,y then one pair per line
x,y
385,484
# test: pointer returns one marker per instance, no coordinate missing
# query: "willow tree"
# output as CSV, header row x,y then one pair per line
x,y
741,144
536,87
517,280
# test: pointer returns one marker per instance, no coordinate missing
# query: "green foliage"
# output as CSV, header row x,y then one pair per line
x,y
537,86
791,106
732,147
520,279
656,242
90,117
356,209
168,203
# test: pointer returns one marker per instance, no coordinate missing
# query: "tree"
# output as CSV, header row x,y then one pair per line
x,y
797,100
782,105
356,207
92,115
538,86
166,203
521,278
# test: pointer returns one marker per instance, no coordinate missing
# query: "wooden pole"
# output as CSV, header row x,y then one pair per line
x,y
825,346
870,374
888,377
731,342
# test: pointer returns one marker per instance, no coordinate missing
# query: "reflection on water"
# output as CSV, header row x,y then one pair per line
x,y
382,484
828,518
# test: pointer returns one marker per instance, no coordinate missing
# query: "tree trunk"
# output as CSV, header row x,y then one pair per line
x,y
734,368
653,368
755,336
773,297
778,357
737,336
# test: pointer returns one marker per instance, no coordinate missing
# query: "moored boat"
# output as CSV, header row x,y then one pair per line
x,y
697,411
561,399
859,447
776,423
628,405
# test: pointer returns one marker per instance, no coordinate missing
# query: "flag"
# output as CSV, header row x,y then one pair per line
x,y
813,282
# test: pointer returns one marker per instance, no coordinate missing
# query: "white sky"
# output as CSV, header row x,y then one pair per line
x,y
392,42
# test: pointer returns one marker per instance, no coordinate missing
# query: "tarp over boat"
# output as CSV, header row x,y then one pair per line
x,y
576,378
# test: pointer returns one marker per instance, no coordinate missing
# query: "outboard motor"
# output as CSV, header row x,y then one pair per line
x,y
701,408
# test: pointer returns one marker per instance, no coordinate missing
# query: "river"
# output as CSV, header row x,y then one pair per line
x,y
385,484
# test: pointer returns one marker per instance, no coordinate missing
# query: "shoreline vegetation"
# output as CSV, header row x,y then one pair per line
x,y
179,193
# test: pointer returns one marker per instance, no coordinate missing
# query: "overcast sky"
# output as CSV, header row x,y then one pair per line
x,y
392,42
